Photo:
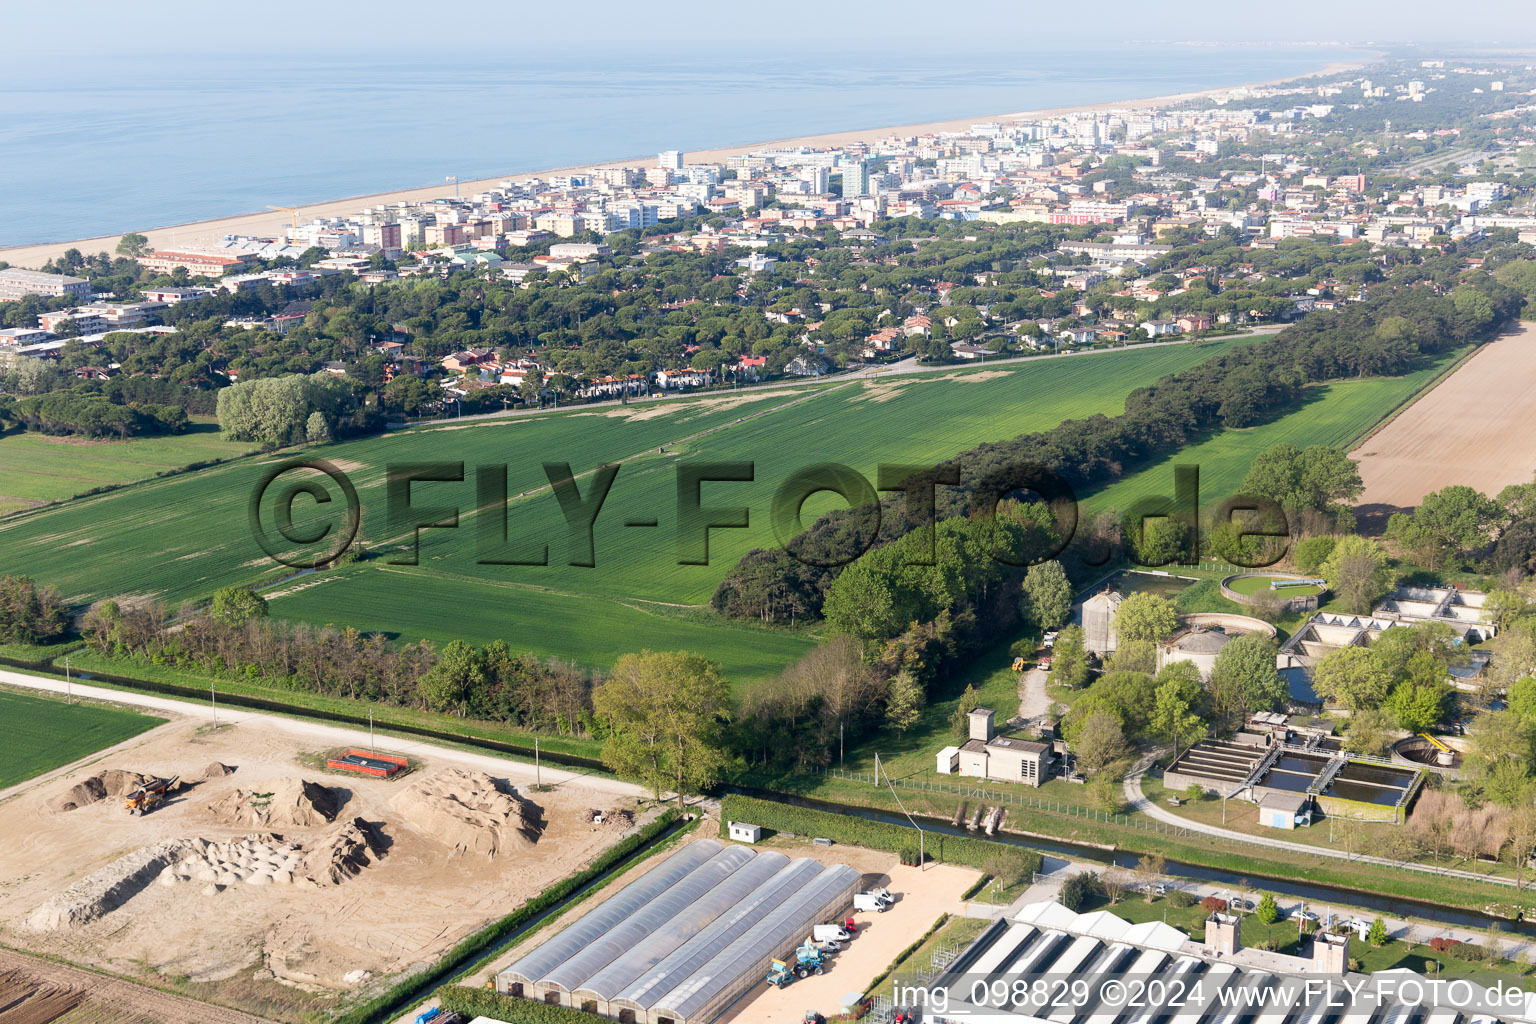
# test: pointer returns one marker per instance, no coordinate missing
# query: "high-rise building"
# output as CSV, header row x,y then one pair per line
x,y
670,160
855,177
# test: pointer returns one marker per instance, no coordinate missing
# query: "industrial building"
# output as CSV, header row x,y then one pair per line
x,y
987,755
1288,772
1217,981
686,939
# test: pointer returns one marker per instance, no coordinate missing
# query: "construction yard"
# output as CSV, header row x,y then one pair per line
x,y
1464,431
264,884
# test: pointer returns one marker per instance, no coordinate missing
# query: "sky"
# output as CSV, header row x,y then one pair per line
x,y
680,27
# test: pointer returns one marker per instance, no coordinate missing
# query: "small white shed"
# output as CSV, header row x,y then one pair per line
x,y
742,832
949,761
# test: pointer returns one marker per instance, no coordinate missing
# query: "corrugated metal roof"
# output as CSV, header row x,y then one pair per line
x,y
612,912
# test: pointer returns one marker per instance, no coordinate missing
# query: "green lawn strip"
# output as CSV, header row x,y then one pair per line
x,y
195,688
954,931
38,653
40,734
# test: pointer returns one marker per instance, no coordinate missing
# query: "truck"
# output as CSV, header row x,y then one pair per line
x,y
830,933
779,974
150,795
868,903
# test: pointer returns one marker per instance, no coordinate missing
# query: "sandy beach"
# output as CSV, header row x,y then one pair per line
x,y
270,223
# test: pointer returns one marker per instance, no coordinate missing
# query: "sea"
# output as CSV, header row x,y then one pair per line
x,y
115,144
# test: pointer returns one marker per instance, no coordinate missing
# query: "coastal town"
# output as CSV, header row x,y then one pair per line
x,y
1124,190
857,579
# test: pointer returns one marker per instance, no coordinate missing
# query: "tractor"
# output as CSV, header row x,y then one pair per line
x,y
809,960
150,795
779,974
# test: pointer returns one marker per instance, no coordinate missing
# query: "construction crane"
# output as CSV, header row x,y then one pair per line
x,y
292,212
455,185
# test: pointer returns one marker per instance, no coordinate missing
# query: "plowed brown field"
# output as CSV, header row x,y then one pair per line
x,y
1473,428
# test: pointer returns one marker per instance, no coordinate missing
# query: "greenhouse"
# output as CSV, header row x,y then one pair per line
x,y
685,940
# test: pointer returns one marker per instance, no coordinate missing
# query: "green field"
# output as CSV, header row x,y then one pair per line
x,y
40,735
1250,585
181,538
422,602
1334,414
40,468
623,602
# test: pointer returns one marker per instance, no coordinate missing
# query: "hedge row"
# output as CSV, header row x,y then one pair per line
x,y
483,1002
391,1003
982,854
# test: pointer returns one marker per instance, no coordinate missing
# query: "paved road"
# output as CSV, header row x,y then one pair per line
x,y
1138,800
331,735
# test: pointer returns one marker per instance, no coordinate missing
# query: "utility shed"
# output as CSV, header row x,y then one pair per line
x,y
742,832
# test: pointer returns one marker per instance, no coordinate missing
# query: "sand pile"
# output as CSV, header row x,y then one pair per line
x,y
465,810
342,853
296,802
262,859
217,770
106,890
112,782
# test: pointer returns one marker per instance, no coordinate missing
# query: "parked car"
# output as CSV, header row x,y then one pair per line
x,y
1050,640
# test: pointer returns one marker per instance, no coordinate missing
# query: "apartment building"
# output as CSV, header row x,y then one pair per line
x,y
16,284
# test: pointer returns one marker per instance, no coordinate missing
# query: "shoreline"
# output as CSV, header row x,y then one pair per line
x,y
270,222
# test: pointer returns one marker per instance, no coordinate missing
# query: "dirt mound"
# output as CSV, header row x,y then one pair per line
x,y
112,782
262,859
104,891
342,853
296,802
217,770
466,810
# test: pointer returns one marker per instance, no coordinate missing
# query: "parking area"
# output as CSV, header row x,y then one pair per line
x,y
921,897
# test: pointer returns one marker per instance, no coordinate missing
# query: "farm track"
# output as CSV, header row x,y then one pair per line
x,y
129,1000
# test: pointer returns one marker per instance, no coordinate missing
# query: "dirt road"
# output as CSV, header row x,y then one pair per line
x,y
125,997
333,735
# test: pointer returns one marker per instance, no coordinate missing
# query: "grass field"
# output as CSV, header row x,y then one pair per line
x,y
919,420
40,468
1334,414
181,538
1250,585
423,602
40,735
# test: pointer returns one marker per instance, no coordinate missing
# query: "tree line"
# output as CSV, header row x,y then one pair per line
x,y
1384,334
